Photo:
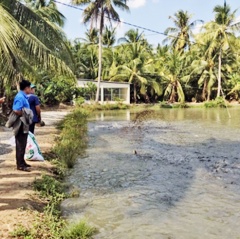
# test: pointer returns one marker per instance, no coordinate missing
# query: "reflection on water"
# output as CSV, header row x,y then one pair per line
x,y
173,174
111,115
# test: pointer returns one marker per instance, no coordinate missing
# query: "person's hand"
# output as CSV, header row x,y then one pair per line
x,y
2,100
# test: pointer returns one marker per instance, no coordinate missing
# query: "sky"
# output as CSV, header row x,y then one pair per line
x,y
151,14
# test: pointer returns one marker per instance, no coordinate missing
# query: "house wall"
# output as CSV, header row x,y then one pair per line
x,y
125,90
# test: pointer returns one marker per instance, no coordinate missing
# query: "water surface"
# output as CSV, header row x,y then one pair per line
x,y
173,173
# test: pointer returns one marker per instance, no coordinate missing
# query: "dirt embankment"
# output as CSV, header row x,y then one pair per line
x,y
16,193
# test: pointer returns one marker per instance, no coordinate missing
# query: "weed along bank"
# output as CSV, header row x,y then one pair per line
x,y
110,92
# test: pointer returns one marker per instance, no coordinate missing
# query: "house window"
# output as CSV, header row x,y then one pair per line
x,y
112,94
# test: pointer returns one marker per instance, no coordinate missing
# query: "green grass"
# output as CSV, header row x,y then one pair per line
x,y
21,231
108,106
218,102
80,230
48,227
72,141
48,186
49,224
175,105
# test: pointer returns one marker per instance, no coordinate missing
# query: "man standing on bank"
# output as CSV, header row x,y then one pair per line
x,y
20,106
35,107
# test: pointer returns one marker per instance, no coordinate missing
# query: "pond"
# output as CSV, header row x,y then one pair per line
x,y
164,174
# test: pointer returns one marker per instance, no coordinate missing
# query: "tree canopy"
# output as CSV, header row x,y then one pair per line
x,y
187,66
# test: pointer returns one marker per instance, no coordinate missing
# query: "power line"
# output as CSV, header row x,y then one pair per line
x,y
127,23
134,25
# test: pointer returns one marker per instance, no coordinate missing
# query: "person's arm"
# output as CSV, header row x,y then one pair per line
x,y
38,109
18,112
2,100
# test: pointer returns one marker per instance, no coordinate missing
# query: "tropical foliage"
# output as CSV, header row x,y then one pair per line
x,y
29,40
98,12
32,43
189,65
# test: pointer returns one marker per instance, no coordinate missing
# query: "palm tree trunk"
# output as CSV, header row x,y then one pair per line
x,y
219,73
99,67
172,97
135,93
204,90
173,93
209,95
100,56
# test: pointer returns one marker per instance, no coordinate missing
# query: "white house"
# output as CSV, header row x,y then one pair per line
x,y
110,91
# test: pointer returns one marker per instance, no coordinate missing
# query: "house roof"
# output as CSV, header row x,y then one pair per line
x,y
111,82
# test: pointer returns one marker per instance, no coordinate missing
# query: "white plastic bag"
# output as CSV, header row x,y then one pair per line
x,y
33,151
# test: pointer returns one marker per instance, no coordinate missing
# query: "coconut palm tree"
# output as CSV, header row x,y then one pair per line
x,y
132,36
135,68
221,33
26,41
47,10
202,69
91,37
180,35
170,67
85,58
109,36
97,12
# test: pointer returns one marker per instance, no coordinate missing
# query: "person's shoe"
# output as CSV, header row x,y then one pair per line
x,y
24,168
27,165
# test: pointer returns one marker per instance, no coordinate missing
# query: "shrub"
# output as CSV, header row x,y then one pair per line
x,y
72,141
48,186
52,91
97,106
88,92
210,104
175,105
79,101
79,230
47,226
218,102
68,151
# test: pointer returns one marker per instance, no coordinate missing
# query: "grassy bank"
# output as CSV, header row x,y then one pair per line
x,y
51,190
219,102
101,107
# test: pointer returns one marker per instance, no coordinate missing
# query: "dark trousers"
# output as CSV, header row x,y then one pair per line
x,y
32,127
21,142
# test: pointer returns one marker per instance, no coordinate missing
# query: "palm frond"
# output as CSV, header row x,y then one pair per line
x,y
16,40
181,96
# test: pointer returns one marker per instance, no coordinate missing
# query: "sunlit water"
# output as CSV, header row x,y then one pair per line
x,y
173,174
